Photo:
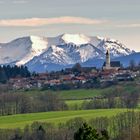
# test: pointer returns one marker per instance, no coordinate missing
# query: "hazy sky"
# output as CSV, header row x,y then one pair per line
x,y
118,19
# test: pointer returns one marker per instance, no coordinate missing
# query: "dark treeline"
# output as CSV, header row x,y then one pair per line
x,y
17,103
7,72
124,126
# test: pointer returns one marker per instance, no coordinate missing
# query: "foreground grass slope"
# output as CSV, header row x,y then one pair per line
x,y
21,120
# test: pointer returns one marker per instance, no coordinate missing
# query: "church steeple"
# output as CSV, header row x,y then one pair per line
x,y
108,59
111,65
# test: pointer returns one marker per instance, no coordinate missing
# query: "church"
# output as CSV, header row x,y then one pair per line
x,y
111,65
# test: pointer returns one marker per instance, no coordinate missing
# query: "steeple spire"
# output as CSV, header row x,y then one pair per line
x,y
108,59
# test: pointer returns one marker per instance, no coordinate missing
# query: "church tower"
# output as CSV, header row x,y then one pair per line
x,y
107,59
111,65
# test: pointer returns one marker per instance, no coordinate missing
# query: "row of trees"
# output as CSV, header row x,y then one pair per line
x,y
124,126
7,72
125,100
18,103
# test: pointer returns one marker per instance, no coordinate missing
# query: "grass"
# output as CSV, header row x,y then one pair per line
x,y
81,93
21,120
69,94
75,98
75,104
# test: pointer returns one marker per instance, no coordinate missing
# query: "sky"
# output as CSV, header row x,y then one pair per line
x,y
117,19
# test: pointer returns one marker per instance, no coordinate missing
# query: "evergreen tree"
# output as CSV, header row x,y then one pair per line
x,y
39,133
7,72
88,133
77,68
3,76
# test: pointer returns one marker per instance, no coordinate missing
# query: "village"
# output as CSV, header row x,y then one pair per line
x,y
76,77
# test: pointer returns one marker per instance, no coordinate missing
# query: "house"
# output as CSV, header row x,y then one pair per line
x,y
125,77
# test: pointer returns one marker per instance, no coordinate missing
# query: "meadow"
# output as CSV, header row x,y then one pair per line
x,y
21,120
68,94
75,98
83,93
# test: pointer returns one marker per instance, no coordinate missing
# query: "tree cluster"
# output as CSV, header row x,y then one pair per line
x,y
114,99
7,72
18,103
86,132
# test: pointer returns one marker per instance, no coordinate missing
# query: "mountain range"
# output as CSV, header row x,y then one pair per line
x,y
54,53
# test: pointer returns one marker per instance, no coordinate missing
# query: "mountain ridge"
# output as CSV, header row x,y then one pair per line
x,y
63,50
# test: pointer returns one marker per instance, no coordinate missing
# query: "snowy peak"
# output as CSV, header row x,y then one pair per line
x,y
76,39
14,50
38,43
38,46
66,49
22,50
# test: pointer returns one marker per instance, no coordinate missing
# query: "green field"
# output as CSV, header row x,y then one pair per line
x,y
70,94
75,98
81,93
75,104
21,120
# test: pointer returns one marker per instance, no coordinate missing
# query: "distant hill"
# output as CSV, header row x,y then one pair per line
x,y
126,59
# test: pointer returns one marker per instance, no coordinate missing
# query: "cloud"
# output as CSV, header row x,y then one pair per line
x,y
20,1
34,22
134,25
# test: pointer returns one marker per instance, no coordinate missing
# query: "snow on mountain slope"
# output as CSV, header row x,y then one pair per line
x,y
15,50
38,46
117,49
63,50
77,39
69,54
22,50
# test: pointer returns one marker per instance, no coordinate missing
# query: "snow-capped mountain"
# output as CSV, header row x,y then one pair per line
x,y
67,49
22,50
